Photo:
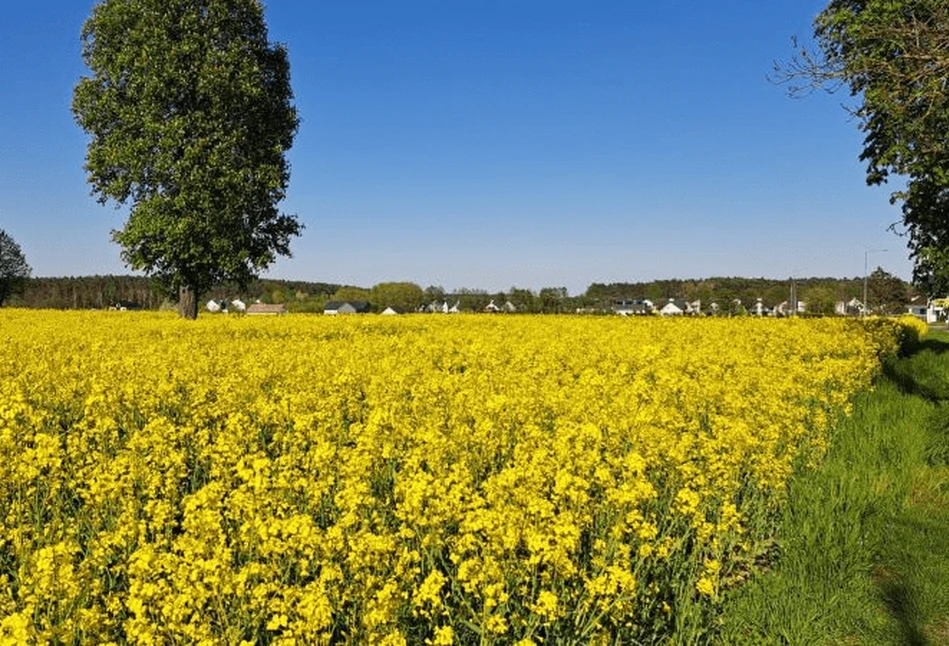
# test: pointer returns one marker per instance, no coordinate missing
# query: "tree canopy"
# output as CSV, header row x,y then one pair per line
x,y
894,56
13,267
405,295
886,293
189,111
820,300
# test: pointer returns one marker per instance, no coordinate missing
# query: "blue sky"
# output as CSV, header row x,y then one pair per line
x,y
498,144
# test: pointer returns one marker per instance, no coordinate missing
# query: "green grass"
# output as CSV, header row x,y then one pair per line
x,y
863,543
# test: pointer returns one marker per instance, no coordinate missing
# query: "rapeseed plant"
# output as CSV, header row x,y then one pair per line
x,y
420,480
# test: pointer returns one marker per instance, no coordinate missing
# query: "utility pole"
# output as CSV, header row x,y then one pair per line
x,y
793,306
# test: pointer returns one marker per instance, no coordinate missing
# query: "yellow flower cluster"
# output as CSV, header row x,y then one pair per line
x,y
891,334
416,480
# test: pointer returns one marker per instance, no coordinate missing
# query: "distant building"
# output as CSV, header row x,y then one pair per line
x,y
931,311
675,307
853,307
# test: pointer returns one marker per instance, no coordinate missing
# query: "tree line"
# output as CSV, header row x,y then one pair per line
x,y
141,292
886,293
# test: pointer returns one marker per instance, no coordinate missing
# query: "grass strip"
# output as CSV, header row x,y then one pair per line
x,y
864,540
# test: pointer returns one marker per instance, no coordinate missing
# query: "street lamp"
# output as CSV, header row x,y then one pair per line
x,y
866,257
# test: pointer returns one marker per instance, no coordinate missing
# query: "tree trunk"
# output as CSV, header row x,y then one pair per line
x,y
187,303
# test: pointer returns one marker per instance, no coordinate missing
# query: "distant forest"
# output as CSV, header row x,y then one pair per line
x,y
104,292
886,293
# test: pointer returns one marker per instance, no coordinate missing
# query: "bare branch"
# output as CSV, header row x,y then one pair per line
x,y
806,72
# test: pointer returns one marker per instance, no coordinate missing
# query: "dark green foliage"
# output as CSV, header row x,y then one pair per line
x,y
13,268
523,299
90,292
471,300
189,113
886,294
100,292
405,296
553,299
820,300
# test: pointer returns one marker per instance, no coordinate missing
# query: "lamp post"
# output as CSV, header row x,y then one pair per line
x,y
866,258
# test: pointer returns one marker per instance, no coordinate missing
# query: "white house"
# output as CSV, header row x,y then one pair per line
x,y
853,307
239,305
675,307
930,312
939,307
921,312
213,306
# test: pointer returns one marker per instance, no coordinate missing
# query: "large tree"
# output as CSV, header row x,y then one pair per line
x,y
893,55
405,295
189,111
13,268
886,293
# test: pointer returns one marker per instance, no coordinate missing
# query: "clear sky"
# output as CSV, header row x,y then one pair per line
x,y
491,144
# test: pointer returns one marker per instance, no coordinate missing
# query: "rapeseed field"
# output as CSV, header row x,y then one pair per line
x,y
414,480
